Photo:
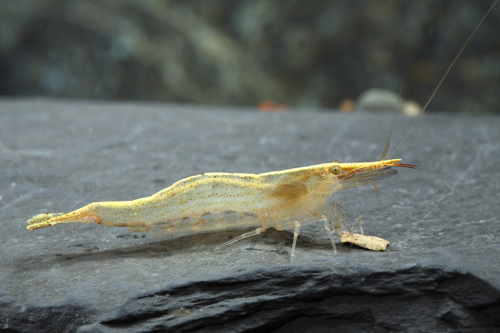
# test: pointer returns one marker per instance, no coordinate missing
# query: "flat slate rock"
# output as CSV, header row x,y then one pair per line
x,y
440,273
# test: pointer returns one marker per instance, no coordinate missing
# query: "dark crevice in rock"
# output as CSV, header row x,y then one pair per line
x,y
292,300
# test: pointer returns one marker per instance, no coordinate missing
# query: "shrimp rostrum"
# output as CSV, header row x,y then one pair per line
x,y
288,199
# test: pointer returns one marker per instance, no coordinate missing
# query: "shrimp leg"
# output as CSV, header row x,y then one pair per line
x,y
295,235
329,232
336,215
245,235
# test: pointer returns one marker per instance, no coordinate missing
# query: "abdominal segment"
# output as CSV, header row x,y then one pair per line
x,y
207,222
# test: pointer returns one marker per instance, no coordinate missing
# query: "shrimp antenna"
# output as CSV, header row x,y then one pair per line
x,y
438,174
398,108
442,79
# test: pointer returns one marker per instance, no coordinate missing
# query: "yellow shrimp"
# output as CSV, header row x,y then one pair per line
x,y
288,199
218,201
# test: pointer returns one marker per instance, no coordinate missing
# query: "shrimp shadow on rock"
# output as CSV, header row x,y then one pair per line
x,y
271,241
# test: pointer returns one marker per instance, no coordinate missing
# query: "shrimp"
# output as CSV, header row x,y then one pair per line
x,y
217,201
287,199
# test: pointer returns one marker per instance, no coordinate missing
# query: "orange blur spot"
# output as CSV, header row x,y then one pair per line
x,y
347,105
270,106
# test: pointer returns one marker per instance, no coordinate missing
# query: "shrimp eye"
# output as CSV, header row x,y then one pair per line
x,y
336,170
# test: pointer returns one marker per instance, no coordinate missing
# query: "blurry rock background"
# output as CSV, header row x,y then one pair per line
x,y
312,54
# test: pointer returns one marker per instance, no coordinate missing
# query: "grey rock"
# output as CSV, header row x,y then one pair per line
x,y
385,100
379,99
439,274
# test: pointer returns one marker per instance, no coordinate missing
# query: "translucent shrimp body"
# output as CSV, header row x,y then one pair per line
x,y
208,202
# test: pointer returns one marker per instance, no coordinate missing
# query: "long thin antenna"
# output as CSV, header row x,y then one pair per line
x,y
442,79
398,108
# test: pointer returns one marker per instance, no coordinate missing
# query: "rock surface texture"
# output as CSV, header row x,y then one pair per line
x,y
440,273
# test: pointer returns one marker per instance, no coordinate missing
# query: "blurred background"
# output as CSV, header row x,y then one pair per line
x,y
302,54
